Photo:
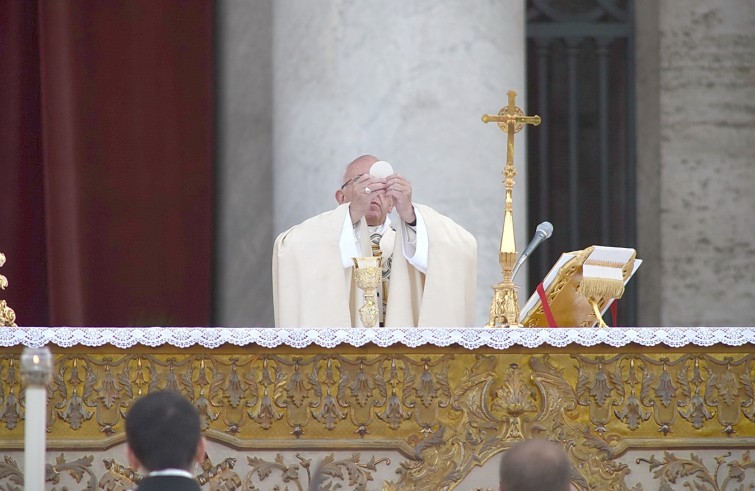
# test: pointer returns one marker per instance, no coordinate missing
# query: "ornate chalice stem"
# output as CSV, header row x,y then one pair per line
x,y
368,272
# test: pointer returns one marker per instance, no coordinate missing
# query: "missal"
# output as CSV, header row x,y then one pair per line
x,y
580,287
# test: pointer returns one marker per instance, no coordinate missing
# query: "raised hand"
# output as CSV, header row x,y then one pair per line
x,y
397,187
364,190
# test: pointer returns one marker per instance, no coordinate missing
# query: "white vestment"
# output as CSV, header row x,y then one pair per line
x,y
312,288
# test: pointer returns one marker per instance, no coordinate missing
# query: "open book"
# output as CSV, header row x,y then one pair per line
x,y
567,294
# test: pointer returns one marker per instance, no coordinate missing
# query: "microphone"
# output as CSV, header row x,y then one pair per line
x,y
544,231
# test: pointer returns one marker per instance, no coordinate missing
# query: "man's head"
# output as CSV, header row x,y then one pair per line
x,y
380,205
162,430
535,465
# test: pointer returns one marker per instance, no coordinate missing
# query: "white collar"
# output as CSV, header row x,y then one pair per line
x,y
380,229
171,472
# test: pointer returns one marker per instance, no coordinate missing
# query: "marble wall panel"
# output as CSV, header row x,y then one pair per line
x,y
244,166
648,150
707,161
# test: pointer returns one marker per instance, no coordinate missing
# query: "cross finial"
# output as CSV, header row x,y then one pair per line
x,y
511,119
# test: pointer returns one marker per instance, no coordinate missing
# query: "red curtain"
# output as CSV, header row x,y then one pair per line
x,y
109,222
22,220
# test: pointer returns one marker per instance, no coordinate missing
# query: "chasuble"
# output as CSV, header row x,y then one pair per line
x,y
312,288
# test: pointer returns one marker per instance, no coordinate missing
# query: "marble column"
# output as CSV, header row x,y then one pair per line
x,y
697,221
407,82
244,163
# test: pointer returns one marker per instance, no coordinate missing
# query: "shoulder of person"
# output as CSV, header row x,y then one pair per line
x,y
433,219
304,231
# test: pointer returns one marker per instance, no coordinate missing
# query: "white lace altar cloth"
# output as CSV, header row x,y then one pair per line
x,y
126,337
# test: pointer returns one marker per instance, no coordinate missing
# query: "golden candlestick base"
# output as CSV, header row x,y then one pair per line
x,y
504,310
368,272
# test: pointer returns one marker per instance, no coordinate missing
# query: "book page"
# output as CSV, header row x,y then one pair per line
x,y
549,278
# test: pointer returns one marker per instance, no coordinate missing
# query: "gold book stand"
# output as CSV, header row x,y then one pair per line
x,y
564,286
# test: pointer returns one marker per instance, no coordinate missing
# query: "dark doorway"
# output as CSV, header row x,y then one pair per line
x,y
581,174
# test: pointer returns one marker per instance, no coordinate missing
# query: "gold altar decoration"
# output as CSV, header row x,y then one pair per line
x,y
504,310
574,301
7,315
445,411
595,289
368,274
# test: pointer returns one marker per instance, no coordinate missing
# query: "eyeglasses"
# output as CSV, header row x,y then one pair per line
x,y
351,180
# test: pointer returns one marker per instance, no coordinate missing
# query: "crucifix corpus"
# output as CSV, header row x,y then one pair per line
x,y
504,311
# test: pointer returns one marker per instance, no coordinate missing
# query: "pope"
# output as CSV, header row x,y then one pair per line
x,y
429,261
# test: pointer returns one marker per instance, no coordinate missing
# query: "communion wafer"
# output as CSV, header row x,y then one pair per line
x,y
381,169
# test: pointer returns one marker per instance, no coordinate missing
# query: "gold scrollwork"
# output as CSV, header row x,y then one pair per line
x,y
347,473
118,476
692,473
446,413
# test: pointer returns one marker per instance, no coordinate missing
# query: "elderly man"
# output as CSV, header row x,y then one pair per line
x,y
535,465
430,262
164,438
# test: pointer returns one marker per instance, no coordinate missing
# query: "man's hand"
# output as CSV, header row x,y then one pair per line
x,y
360,198
400,190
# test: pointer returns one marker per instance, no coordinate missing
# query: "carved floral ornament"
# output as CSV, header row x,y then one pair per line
x,y
7,315
444,413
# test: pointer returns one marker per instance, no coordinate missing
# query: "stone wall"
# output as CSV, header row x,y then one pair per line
x,y
696,122
244,164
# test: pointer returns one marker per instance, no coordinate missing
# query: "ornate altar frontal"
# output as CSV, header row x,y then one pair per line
x,y
666,408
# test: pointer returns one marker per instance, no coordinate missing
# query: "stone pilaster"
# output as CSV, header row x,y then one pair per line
x,y
700,217
244,164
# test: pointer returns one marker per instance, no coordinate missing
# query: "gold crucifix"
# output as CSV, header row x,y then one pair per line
x,y
504,311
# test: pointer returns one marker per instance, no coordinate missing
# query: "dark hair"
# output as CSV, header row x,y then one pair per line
x,y
535,465
162,429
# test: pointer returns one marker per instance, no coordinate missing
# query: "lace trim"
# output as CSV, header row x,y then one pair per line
x,y
469,338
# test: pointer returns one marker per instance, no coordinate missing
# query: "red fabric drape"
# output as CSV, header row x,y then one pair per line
x,y
126,125
22,221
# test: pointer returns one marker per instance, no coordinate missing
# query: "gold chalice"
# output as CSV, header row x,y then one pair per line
x,y
368,272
